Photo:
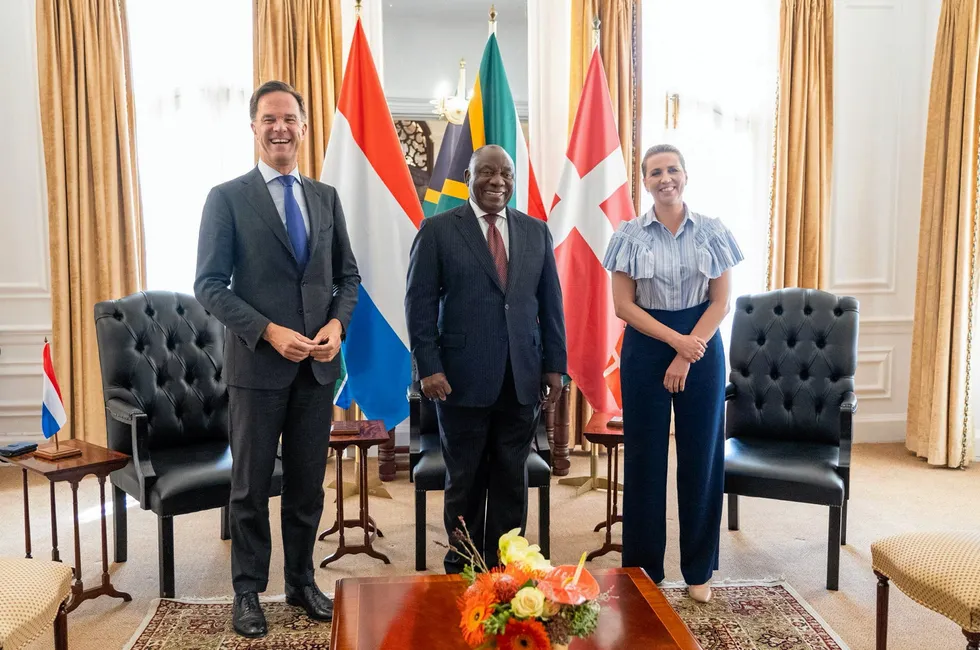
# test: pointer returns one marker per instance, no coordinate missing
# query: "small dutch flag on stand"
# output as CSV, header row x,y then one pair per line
x,y
53,416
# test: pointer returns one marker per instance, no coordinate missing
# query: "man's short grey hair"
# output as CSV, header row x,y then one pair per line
x,y
473,158
661,148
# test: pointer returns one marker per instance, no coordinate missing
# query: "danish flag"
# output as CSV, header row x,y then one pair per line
x,y
593,198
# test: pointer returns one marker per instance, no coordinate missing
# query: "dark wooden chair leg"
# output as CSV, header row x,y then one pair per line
x,y
833,548
843,524
732,512
119,540
881,615
61,629
419,530
165,530
225,523
972,640
544,519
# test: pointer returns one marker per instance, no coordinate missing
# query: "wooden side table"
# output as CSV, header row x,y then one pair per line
x,y
95,460
598,432
370,433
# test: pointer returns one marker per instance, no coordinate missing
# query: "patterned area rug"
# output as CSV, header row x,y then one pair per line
x,y
206,625
757,616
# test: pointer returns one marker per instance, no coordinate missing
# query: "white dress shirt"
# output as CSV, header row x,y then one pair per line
x,y
501,224
276,189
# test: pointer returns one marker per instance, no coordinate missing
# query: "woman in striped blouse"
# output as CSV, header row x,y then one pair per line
x,y
671,284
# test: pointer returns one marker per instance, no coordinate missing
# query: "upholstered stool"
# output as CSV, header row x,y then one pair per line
x,y
32,595
938,570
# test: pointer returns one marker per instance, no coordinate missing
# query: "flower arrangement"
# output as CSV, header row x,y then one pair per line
x,y
525,604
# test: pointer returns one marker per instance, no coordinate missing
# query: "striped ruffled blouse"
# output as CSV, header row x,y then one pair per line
x,y
672,271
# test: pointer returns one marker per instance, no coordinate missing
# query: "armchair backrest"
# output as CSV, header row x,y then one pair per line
x,y
793,356
162,352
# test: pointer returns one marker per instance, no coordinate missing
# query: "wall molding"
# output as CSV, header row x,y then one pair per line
x,y
882,357
20,409
33,330
878,427
418,108
898,325
21,369
888,282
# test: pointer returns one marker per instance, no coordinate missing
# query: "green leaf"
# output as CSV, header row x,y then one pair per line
x,y
583,619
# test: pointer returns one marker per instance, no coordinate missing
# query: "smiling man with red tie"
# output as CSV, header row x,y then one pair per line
x,y
487,331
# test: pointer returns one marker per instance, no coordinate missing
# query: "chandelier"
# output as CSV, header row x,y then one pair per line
x,y
453,107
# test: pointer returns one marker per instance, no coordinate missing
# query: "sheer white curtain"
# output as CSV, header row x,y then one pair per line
x,y
192,79
709,88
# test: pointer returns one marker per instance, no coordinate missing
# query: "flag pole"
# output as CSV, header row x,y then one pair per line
x,y
595,31
357,9
493,21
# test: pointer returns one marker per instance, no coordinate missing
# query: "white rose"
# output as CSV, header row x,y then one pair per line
x,y
528,603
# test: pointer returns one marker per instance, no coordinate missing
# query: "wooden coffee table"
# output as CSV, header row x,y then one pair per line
x,y
421,612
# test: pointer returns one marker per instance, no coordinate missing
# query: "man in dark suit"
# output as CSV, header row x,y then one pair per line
x,y
275,266
487,331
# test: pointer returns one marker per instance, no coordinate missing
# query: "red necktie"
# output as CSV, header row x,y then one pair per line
x,y
497,250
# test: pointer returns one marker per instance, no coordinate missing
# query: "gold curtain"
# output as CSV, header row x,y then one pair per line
x,y
94,217
939,426
800,204
619,47
300,42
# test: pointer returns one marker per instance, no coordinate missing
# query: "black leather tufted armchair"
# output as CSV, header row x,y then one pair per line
x,y
427,470
790,403
167,406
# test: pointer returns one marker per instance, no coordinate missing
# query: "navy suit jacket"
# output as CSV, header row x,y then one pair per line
x,y
463,322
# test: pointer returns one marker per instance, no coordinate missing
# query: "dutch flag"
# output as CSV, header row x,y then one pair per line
x,y
365,162
52,407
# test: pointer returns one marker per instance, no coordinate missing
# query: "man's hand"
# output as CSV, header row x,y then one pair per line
x,y
326,343
436,386
689,346
676,375
291,345
551,387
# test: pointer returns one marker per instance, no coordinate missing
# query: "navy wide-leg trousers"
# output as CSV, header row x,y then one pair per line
x,y
700,442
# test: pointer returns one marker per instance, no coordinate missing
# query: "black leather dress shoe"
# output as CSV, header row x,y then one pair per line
x,y
247,617
310,598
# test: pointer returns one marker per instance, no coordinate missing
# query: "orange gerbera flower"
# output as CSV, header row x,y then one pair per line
x,y
524,635
521,573
476,607
482,586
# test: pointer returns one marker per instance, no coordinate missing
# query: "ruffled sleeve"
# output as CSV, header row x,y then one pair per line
x,y
718,252
628,254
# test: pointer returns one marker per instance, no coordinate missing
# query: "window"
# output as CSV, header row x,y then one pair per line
x,y
192,79
709,83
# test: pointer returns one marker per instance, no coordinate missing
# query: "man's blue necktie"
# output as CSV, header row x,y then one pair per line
x,y
294,221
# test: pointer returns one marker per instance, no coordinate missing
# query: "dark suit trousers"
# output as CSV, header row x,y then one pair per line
x,y
302,413
485,450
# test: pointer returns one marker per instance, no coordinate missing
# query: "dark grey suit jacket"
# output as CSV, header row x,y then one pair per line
x,y
463,322
247,277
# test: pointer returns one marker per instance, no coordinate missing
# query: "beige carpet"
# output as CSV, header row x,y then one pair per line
x,y
891,493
